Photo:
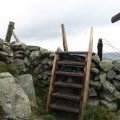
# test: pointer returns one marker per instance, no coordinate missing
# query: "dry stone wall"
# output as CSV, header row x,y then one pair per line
x,y
105,83
105,75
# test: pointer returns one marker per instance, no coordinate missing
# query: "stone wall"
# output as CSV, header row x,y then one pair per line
x,y
105,83
105,75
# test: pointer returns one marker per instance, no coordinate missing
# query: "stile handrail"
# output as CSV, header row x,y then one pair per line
x,y
87,74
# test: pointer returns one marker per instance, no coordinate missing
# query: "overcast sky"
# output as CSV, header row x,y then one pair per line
x,y
38,22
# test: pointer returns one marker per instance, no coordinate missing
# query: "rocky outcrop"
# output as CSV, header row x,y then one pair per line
x,y
13,100
26,82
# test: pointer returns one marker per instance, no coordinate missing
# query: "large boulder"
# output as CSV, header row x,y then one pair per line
x,y
13,100
26,82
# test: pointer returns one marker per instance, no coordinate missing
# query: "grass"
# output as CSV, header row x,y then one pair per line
x,y
98,113
48,117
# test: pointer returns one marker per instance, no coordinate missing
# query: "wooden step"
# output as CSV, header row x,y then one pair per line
x,y
69,85
71,63
72,52
64,108
70,74
66,96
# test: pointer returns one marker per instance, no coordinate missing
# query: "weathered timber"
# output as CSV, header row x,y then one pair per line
x,y
87,76
115,18
100,48
9,32
65,46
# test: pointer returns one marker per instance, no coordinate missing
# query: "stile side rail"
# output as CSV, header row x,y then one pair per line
x,y
87,76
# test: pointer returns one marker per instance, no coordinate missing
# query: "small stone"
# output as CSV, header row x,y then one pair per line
x,y
33,48
106,65
95,84
116,65
110,105
34,55
116,94
117,84
96,59
102,77
109,86
117,77
96,78
92,92
26,61
95,70
107,96
110,74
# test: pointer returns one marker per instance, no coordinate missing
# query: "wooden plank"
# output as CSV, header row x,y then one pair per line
x,y
52,80
69,85
64,108
70,74
87,76
65,46
66,96
72,52
71,63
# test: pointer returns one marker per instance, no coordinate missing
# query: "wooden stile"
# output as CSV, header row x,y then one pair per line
x,y
65,46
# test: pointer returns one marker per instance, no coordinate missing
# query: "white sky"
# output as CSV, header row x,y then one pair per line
x,y
37,22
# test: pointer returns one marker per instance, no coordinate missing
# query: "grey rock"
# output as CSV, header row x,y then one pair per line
x,y
93,65
106,65
8,50
109,86
110,105
96,84
117,77
34,55
27,62
96,78
26,82
18,46
107,96
102,77
116,94
92,92
117,84
33,48
13,99
110,74
20,65
93,102
19,52
39,69
116,65
96,59
95,70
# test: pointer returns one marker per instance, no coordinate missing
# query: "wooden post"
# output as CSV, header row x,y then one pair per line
x,y
115,18
65,46
9,31
52,80
87,75
100,48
